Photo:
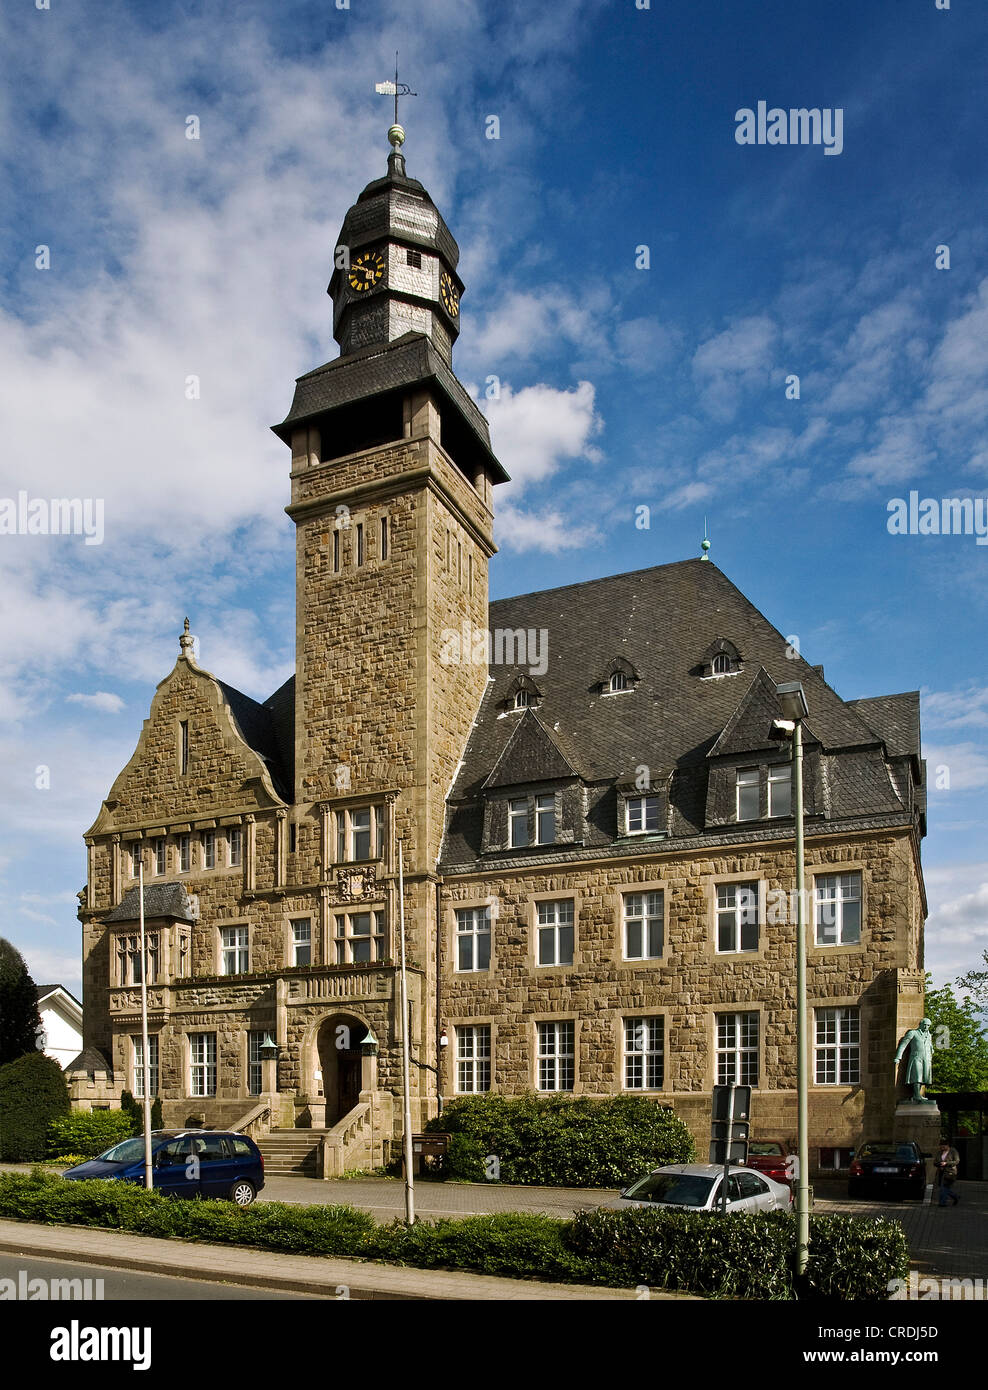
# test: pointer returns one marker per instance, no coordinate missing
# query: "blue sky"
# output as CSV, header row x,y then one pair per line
x,y
620,386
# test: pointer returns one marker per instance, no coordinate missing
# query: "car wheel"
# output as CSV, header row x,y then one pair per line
x,y
243,1193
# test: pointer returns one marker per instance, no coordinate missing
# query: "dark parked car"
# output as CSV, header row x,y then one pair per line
x,y
888,1169
185,1163
771,1157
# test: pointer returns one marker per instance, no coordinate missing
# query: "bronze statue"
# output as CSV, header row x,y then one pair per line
x,y
918,1043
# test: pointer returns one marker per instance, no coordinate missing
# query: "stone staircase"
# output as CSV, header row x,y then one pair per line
x,y
292,1153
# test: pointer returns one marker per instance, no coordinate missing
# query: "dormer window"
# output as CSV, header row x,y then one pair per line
x,y
617,676
523,698
619,681
642,814
521,694
721,658
721,664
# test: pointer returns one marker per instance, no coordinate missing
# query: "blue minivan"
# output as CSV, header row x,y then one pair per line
x,y
185,1163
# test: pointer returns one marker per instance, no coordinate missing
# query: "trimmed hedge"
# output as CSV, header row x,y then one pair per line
x,y
88,1132
742,1256
553,1141
32,1094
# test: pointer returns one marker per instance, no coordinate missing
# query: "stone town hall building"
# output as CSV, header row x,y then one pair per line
x,y
593,842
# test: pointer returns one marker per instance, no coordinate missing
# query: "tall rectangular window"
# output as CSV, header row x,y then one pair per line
x,y
556,1056
838,909
473,938
236,842
129,958
183,746
209,849
202,1064
160,857
234,951
138,1042
780,791
359,937
644,919
336,552
737,1049
302,941
255,1075
384,537
837,1048
737,917
555,932
749,805
360,543
473,1058
470,574
642,814
136,851
360,834
644,1054
545,820
184,853
518,836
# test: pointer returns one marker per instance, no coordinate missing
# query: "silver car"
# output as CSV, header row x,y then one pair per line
x,y
697,1187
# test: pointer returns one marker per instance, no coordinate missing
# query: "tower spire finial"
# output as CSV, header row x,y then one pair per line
x,y
187,642
705,543
396,135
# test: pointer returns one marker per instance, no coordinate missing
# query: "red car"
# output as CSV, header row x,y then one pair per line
x,y
772,1158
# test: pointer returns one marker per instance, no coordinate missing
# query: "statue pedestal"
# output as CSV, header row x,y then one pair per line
x,y
921,1124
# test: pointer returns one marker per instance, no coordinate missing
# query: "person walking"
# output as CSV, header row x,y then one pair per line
x,y
946,1163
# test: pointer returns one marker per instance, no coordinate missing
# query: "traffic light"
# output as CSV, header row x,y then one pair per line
x,y
729,1125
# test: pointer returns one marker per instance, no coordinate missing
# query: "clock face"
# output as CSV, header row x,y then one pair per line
x,y
449,296
366,271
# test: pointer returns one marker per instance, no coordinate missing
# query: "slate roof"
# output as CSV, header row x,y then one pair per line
x,y
263,729
45,990
895,719
160,900
663,620
90,1060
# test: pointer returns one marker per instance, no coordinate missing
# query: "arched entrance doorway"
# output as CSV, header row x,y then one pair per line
x,y
341,1064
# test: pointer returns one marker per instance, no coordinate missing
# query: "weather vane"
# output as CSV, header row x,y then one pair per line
x,y
396,89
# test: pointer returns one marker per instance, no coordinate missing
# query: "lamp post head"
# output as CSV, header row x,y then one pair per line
x,y
792,700
268,1048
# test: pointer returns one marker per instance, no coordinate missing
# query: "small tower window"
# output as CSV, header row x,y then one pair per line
x,y
336,552
360,543
619,681
384,537
721,664
183,741
414,258
523,698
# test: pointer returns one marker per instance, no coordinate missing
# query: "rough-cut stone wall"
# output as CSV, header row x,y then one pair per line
x,y
692,982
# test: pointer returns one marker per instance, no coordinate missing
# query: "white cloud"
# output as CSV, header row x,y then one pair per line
x,y
101,700
956,709
738,359
966,764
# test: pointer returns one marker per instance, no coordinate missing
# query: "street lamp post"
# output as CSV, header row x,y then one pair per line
x,y
794,709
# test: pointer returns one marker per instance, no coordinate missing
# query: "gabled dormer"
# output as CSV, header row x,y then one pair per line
x,y
533,796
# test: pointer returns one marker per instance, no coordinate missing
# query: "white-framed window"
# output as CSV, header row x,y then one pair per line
x,y
235,841
160,857
129,958
721,664
184,853
748,792
360,937
618,681
473,1058
523,698
255,1075
737,917
642,813
302,941
234,953
359,834
780,790
644,1054
136,851
838,909
555,932
545,819
737,1049
557,1055
138,1042
209,849
202,1064
644,922
473,938
518,836
837,1047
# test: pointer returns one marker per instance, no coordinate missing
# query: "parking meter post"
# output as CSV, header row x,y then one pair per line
x,y
727,1149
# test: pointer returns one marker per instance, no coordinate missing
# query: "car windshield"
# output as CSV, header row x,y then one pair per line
x,y
678,1189
129,1151
903,1152
764,1150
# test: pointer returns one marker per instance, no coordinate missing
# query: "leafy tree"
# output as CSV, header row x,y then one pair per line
x,y
960,1043
975,983
20,1022
33,1093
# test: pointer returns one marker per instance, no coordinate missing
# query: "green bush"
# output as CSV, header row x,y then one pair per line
x,y
88,1132
560,1142
135,1109
748,1256
33,1093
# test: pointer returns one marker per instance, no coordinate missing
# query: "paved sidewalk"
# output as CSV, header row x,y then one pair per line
x,y
323,1278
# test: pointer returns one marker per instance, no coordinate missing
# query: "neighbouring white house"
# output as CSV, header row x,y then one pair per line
x,y
61,1023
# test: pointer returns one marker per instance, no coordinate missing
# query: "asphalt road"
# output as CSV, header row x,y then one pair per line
x,y
131,1284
